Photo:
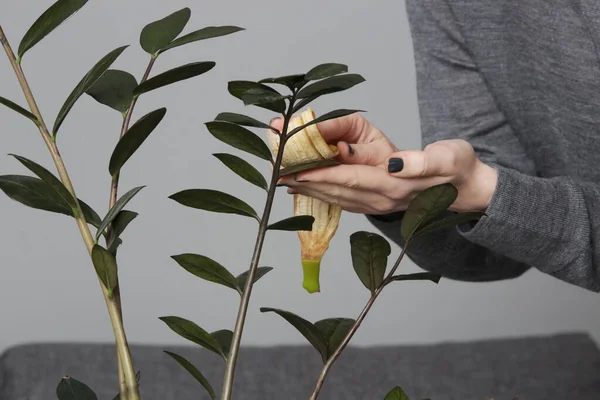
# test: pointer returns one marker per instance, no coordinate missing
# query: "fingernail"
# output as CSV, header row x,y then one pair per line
x,y
281,184
350,149
291,191
395,165
300,180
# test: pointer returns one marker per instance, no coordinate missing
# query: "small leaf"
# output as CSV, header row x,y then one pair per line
x,y
114,211
334,330
195,372
448,222
240,138
325,71
114,89
205,33
244,169
254,93
106,267
121,221
207,269
158,34
133,139
174,75
90,215
71,389
303,103
87,82
325,117
114,245
241,119
224,338
307,329
306,166
193,333
55,15
291,81
296,223
19,109
243,277
421,276
426,207
396,394
215,201
330,85
370,253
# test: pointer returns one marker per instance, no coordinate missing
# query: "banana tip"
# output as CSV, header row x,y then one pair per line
x,y
311,271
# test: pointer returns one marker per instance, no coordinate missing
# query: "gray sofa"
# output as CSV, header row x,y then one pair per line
x,y
565,367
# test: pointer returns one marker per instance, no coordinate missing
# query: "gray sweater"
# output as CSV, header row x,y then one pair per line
x,y
519,80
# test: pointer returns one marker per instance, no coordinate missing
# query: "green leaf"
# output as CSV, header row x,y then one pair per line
x,y
296,223
243,277
205,33
215,201
114,245
325,71
243,169
240,138
193,333
71,389
254,93
114,89
158,34
426,207
396,394
116,209
106,267
133,139
121,221
306,166
207,269
334,330
420,276
330,85
241,119
90,215
19,109
55,15
452,220
370,253
174,75
224,338
291,81
87,82
307,329
195,372
303,103
330,115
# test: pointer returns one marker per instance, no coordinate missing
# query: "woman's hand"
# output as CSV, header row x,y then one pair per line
x,y
376,178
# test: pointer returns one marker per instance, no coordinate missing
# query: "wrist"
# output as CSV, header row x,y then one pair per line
x,y
476,192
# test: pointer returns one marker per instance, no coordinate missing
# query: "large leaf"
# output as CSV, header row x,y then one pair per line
x,y
240,138
71,389
55,15
195,372
330,85
243,277
330,115
325,71
224,338
215,201
296,223
133,139
116,209
396,394
291,81
306,166
334,330
244,169
87,82
174,75
192,332
158,34
241,119
106,267
15,107
426,207
254,93
207,269
205,33
114,89
370,253
420,276
448,222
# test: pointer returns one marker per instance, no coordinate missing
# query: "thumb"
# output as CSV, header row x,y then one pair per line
x,y
374,153
414,164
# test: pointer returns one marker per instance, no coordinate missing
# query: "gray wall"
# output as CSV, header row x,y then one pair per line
x,y
48,291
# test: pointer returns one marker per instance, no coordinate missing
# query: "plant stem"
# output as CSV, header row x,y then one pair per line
x,y
354,328
88,238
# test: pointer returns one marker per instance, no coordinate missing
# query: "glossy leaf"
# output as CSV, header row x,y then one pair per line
x,y
195,372
330,85
158,34
241,119
224,338
133,139
106,267
15,107
114,89
334,330
71,389
215,201
55,15
254,93
90,215
325,71
174,75
396,394
369,253
114,246
306,166
87,82
116,209
304,102
207,269
325,117
243,277
240,138
420,276
448,222
192,332
291,81
296,223
121,221
243,169
426,207
205,33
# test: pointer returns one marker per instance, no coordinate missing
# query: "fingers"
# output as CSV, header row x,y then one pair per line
x,y
374,153
444,159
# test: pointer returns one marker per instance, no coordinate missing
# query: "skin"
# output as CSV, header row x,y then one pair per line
x,y
362,183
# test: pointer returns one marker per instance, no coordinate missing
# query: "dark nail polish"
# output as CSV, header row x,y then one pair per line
x,y
281,184
350,149
300,180
395,165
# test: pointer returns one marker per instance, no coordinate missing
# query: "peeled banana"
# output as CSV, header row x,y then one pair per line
x,y
305,146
